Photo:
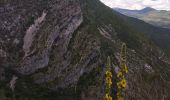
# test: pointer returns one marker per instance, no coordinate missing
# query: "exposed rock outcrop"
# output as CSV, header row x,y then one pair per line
x,y
69,20
30,33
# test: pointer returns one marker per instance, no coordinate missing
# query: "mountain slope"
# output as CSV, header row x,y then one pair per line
x,y
70,46
158,18
159,35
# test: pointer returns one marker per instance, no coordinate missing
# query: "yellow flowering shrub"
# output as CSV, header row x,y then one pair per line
x,y
120,74
107,97
108,80
119,96
108,74
122,84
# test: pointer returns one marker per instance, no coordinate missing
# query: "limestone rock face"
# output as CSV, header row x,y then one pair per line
x,y
63,29
37,25
31,28
37,38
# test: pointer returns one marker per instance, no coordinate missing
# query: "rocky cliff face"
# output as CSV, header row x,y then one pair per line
x,y
63,44
53,24
36,38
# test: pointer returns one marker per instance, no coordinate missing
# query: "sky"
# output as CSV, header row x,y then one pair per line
x,y
138,4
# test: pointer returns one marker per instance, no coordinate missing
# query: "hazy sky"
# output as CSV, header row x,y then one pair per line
x,y
139,4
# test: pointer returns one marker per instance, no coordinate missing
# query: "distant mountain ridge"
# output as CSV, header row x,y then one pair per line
x,y
126,11
160,18
146,10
